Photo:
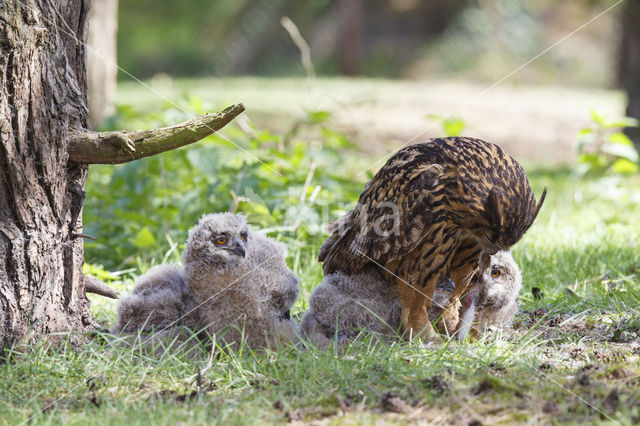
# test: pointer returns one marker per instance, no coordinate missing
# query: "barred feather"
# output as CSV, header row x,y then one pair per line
x,y
455,198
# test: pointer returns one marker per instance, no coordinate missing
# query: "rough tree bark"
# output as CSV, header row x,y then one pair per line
x,y
42,111
42,95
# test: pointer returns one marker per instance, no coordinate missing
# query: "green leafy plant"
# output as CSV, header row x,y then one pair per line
x,y
285,184
604,149
451,125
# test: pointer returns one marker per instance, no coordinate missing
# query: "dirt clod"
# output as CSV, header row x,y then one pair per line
x,y
611,401
294,415
167,395
537,293
545,366
551,407
539,312
395,404
482,387
94,400
583,379
438,384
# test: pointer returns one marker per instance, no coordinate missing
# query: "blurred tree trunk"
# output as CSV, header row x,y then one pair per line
x,y
350,36
629,65
42,96
249,50
102,71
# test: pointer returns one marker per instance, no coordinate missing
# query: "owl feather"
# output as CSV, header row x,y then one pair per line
x,y
430,212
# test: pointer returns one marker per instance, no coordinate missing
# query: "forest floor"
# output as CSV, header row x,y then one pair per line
x,y
572,356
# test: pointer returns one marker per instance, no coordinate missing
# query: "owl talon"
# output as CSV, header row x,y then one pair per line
x,y
431,346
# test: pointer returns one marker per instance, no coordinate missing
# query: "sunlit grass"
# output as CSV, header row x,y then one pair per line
x,y
570,351
569,354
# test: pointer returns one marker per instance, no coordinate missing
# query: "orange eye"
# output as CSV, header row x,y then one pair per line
x,y
495,272
243,237
221,240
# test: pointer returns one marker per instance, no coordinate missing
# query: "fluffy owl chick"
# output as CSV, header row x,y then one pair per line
x,y
160,313
493,300
159,300
242,281
344,305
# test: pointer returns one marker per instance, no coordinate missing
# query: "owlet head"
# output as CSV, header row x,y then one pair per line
x,y
501,280
218,239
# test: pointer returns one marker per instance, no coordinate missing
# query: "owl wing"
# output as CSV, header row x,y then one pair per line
x,y
391,219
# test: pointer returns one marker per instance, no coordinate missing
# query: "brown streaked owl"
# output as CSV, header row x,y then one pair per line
x,y
242,282
430,212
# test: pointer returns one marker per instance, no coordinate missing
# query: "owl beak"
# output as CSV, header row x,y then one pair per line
x,y
239,249
447,285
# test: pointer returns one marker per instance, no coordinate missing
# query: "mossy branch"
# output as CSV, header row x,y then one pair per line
x,y
124,146
93,285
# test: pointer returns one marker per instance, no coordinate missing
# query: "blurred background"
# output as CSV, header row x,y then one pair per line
x,y
478,40
410,63
331,88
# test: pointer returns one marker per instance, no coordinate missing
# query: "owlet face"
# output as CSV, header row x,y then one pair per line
x,y
219,239
501,280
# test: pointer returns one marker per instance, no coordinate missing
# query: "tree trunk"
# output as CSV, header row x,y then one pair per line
x,y
42,96
44,152
102,71
350,15
629,65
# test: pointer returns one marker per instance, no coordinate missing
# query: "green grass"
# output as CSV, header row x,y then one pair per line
x,y
572,357
586,240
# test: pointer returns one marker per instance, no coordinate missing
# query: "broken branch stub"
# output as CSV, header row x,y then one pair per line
x,y
93,285
124,146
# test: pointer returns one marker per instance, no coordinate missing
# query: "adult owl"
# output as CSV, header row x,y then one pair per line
x,y
430,212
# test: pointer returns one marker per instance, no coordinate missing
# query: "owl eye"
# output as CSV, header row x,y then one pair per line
x,y
243,236
221,240
495,272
